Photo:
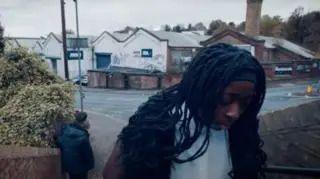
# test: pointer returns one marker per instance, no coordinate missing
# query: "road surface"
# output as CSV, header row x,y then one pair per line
x,y
121,104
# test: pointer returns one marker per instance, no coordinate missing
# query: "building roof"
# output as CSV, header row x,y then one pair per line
x,y
103,34
198,32
120,36
198,37
58,37
269,42
272,42
11,41
26,42
220,34
176,39
90,38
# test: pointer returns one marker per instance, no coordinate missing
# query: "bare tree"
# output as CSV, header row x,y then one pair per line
x,y
241,27
199,26
190,28
216,26
292,26
232,25
304,29
167,28
178,28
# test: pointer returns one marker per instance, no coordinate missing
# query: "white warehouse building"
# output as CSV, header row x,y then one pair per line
x,y
141,49
146,50
53,52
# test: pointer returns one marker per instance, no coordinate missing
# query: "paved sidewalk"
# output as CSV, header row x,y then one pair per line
x,y
103,133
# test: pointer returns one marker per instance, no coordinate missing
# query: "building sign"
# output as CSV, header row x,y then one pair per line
x,y
146,53
74,55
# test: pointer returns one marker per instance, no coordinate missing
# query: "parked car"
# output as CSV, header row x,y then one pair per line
x,y
84,80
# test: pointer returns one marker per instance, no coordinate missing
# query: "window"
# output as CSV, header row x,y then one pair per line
x,y
314,65
186,53
300,68
307,68
181,59
303,68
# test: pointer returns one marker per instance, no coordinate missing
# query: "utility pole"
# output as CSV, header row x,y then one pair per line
x,y
64,41
79,57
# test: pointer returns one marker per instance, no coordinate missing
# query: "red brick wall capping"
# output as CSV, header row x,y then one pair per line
x,y
30,162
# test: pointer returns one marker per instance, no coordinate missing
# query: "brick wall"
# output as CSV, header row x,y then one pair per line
x,y
259,51
170,79
253,15
29,162
291,136
117,81
169,61
269,70
143,82
97,79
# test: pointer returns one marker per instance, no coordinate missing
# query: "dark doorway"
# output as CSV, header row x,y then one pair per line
x,y
103,60
54,65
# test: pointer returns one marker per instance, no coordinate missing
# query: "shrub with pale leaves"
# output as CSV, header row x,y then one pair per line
x,y
32,100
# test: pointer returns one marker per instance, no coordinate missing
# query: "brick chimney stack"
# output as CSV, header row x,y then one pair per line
x,y
253,17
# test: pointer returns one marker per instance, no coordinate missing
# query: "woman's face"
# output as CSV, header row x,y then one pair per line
x,y
235,99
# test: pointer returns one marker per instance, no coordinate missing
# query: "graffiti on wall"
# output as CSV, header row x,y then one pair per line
x,y
120,59
155,63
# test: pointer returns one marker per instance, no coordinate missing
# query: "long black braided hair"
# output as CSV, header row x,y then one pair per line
x,y
150,145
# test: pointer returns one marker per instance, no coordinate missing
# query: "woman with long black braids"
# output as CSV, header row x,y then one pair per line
x,y
204,127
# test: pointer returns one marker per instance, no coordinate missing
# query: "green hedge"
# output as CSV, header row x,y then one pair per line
x,y
32,100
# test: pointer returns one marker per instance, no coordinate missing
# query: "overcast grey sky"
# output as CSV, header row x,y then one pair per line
x,y
40,17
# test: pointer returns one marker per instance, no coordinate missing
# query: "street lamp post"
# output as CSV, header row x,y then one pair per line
x,y
79,57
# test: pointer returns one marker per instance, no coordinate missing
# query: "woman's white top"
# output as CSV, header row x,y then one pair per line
x,y
214,164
